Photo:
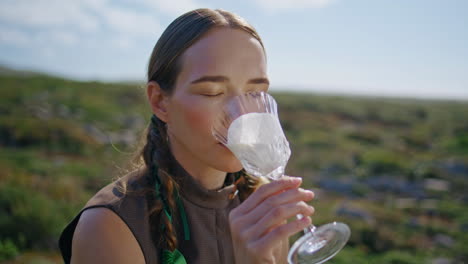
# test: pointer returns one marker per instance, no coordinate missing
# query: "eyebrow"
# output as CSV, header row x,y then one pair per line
x,y
220,78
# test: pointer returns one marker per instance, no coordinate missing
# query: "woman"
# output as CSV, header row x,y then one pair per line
x,y
190,200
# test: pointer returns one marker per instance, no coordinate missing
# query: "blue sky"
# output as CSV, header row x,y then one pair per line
x,y
376,47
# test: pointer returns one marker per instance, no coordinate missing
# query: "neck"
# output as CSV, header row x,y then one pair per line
x,y
208,177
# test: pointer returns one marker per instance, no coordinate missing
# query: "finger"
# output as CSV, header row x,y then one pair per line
x,y
274,201
280,233
267,190
278,215
286,197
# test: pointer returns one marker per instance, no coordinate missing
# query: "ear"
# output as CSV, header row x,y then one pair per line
x,y
158,100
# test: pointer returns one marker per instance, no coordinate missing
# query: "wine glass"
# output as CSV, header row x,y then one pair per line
x,y
249,126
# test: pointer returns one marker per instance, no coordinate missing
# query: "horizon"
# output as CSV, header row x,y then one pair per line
x,y
402,49
273,89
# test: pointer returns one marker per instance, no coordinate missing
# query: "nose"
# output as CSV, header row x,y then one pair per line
x,y
238,92
233,93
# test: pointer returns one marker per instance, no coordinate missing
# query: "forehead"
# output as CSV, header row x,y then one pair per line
x,y
224,51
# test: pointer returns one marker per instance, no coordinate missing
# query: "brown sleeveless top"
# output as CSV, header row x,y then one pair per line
x,y
207,214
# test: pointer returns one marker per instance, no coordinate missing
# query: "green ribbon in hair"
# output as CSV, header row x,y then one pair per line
x,y
174,257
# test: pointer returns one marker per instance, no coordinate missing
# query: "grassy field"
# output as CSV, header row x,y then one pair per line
x,y
395,170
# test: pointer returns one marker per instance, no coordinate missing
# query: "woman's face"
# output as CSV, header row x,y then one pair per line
x,y
222,64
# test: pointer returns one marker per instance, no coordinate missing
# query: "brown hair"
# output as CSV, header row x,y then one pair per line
x,y
164,67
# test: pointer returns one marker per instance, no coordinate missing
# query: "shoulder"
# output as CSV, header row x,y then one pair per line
x,y
101,236
117,190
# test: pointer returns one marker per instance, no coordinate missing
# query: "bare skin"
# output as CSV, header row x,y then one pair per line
x,y
223,63
102,237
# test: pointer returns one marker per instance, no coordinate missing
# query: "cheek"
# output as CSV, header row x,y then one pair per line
x,y
198,119
197,116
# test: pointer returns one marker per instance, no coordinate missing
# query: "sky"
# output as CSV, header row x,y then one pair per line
x,y
402,48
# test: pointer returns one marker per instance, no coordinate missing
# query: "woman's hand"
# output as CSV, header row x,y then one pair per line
x,y
259,226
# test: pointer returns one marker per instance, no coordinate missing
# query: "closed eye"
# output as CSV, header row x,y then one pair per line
x,y
262,89
212,95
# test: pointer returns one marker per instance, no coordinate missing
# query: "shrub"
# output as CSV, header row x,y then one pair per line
x,y
8,250
29,219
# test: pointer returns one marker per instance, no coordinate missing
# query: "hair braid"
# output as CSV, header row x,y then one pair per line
x,y
156,154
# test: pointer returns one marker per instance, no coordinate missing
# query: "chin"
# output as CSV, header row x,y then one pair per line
x,y
226,161
229,165
236,169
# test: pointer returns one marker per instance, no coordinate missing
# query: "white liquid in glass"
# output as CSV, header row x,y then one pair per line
x,y
258,141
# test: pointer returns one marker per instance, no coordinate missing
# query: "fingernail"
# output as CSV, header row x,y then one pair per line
x,y
308,193
296,179
291,181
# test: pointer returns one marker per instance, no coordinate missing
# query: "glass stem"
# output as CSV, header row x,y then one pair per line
x,y
309,229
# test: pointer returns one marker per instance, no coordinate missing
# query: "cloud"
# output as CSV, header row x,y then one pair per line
x,y
70,22
62,23
56,31
170,7
47,13
131,22
282,5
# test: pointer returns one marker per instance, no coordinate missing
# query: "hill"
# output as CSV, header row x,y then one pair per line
x,y
395,170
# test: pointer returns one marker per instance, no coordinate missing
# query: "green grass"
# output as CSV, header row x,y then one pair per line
x,y
61,141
